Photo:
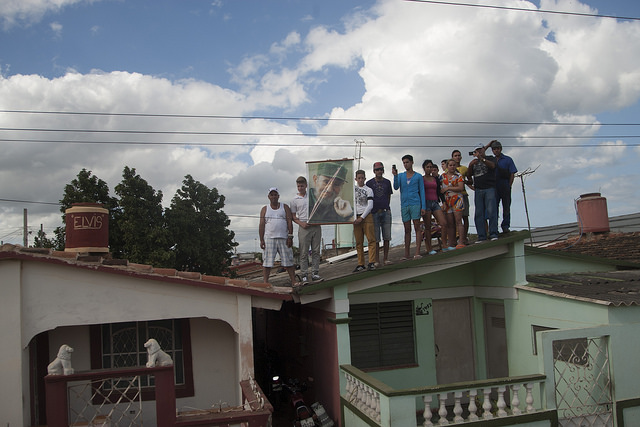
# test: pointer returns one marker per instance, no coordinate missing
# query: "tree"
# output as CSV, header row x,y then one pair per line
x,y
199,228
86,188
42,241
140,222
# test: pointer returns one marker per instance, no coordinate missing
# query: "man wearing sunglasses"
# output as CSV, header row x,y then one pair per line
x,y
381,212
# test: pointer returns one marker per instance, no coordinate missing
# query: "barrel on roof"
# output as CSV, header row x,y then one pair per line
x,y
87,228
593,216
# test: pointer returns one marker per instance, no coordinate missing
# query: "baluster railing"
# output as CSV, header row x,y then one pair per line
x,y
427,414
515,400
366,393
473,408
457,407
443,410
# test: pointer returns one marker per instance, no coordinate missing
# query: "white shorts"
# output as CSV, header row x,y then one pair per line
x,y
274,246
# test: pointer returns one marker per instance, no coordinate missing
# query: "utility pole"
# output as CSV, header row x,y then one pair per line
x,y
358,154
25,230
521,175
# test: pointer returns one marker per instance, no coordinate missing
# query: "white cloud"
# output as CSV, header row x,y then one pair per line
x,y
56,27
25,12
416,61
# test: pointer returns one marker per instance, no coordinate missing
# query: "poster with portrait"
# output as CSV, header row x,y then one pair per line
x,y
331,195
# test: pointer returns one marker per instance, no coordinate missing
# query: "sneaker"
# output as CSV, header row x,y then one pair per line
x,y
506,231
480,241
494,238
359,269
371,266
316,277
304,279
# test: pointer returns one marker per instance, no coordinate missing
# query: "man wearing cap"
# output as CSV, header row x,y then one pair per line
x,y
276,235
308,235
382,191
326,206
482,173
505,172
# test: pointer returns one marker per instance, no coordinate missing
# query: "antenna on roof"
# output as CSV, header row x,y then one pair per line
x,y
358,154
522,175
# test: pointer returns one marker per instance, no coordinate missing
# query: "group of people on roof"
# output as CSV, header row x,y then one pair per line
x,y
442,196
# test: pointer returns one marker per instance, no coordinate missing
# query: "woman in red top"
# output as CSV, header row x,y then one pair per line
x,y
431,187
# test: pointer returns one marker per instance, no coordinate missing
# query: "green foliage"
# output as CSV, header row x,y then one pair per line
x,y
86,188
191,235
140,222
199,228
41,241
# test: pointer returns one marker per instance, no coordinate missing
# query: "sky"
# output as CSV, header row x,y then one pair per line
x,y
240,94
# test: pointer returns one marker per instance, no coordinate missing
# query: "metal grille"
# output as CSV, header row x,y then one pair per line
x,y
123,345
583,382
120,406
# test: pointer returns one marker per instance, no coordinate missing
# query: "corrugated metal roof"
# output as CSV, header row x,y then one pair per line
x,y
615,288
619,224
616,246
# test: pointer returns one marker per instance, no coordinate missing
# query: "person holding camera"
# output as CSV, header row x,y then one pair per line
x,y
482,173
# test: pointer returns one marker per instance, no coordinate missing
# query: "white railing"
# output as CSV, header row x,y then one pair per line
x,y
363,397
487,409
443,404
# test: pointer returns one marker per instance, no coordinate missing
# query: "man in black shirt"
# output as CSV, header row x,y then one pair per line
x,y
482,172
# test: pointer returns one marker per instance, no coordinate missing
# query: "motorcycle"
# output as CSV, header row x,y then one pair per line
x,y
304,416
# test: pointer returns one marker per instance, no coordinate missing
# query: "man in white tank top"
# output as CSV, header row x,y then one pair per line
x,y
276,236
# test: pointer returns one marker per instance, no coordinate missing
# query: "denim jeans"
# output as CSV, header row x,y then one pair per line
x,y
382,223
503,193
486,208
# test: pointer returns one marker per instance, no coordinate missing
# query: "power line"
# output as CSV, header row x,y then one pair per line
x,y
298,134
371,145
29,201
521,9
313,119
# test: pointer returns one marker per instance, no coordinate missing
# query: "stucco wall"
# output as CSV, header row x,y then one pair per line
x,y
542,310
43,296
215,367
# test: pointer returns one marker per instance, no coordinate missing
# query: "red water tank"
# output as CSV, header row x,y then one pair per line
x,y
593,216
87,228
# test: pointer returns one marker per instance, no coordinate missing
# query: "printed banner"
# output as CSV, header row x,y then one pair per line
x,y
331,198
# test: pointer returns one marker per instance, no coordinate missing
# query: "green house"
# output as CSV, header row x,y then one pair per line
x,y
486,335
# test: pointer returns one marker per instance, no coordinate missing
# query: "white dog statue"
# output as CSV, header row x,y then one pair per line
x,y
61,365
157,357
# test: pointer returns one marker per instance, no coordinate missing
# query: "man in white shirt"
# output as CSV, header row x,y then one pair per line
x,y
276,236
363,225
308,235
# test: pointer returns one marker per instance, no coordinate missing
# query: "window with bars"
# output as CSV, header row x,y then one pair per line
x,y
382,335
121,345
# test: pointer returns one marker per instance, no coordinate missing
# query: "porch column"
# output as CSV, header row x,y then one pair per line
x,y
245,338
341,309
14,398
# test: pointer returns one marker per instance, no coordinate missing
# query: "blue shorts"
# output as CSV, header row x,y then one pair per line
x,y
433,205
410,212
382,221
